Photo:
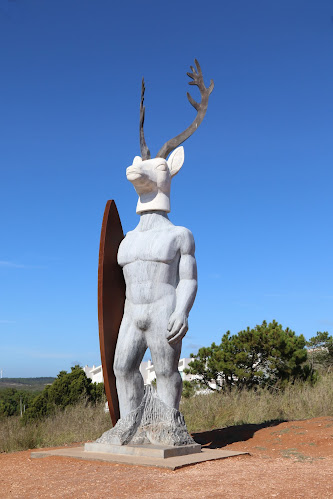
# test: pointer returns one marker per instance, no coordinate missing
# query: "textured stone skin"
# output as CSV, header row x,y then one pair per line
x,y
151,422
161,282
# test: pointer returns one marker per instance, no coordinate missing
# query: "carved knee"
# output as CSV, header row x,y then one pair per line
x,y
119,368
122,370
166,372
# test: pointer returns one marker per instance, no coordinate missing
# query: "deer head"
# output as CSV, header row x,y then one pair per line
x,y
152,177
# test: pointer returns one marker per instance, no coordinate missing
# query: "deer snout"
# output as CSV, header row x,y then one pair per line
x,y
141,179
133,173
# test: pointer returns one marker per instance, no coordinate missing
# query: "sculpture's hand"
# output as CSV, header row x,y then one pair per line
x,y
178,327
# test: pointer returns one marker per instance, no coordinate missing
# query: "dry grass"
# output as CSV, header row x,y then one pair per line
x,y
77,423
203,412
298,401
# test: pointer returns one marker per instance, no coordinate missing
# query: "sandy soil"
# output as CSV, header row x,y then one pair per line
x,y
288,460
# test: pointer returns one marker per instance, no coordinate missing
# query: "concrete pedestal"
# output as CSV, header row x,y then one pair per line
x,y
171,463
144,450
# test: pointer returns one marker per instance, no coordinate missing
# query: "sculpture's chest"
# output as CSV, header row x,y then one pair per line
x,y
157,246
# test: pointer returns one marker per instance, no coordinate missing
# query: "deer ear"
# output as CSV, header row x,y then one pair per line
x,y
137,160
176,160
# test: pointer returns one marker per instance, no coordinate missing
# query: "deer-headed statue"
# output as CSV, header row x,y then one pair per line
x,y
160,273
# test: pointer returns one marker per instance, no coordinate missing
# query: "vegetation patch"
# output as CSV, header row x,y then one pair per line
x,y
261,375
266,355
295,401
34,384
78,423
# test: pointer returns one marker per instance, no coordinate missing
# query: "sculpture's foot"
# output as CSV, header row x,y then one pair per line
x,y
152,422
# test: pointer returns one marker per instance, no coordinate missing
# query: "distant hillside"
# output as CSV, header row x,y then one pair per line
x,y
25,383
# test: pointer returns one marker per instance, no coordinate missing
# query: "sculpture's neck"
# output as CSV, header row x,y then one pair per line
x,y
153,219
153,201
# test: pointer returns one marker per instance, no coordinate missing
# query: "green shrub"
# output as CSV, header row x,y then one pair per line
x,y
68,389
12,401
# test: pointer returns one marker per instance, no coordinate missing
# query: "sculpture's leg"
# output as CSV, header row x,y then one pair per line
x,y
165,359
130,349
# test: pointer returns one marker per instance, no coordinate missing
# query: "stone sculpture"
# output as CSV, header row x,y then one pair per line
x,y
160,273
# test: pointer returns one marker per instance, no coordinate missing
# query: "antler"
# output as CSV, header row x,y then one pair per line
x,y
201,108
145,153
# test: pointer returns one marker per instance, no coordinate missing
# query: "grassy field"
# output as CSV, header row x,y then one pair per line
x,y
30,384
298,401
202,412
76,424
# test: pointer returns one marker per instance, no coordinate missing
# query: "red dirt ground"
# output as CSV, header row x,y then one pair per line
x,y
288,460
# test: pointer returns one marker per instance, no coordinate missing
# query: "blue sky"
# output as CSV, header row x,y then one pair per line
x,y
255,188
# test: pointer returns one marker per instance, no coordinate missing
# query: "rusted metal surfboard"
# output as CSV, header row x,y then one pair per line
x,y
111,299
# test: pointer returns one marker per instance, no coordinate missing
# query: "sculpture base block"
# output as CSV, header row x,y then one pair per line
x,y
171,463
144,450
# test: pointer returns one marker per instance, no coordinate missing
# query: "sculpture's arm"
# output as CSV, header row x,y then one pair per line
x,y
185,291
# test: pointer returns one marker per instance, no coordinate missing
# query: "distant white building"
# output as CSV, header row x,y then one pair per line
x,y
146,369
94,373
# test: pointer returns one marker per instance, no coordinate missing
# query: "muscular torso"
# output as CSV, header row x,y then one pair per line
x,y
150,261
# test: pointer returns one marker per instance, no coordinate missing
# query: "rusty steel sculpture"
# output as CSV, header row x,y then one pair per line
x,y
147,282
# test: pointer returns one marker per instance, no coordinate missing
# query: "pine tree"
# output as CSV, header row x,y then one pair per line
x,y
321,351
262,356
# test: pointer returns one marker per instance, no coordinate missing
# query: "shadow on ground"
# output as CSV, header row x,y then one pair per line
x,y
215,439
